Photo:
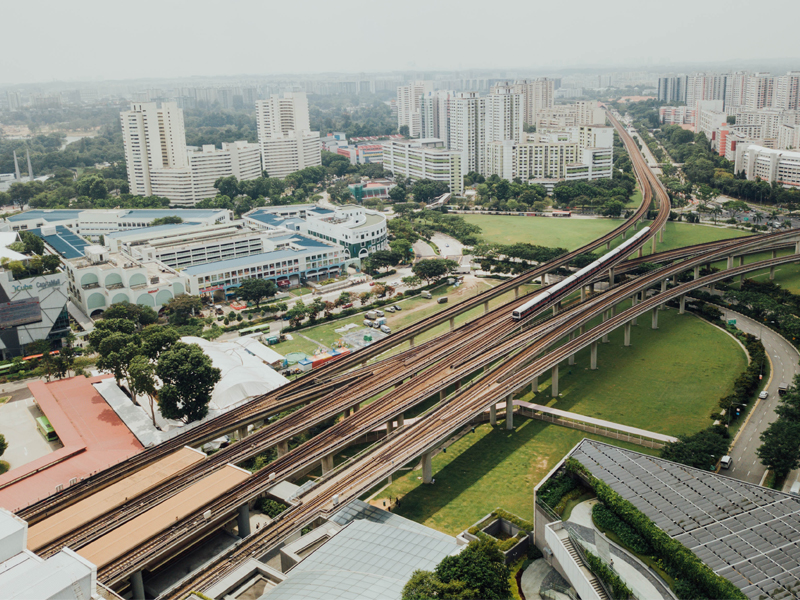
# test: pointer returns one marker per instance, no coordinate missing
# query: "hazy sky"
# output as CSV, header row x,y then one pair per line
x,y
47,40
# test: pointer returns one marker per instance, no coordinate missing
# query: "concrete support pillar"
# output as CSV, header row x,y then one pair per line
x,y
772,273
401,420
555,381
516,292
441,395
510,411
682,301
582,329
593,360
730,262
634,302
640,252
556,308
427,468
605,318
653,249
346,413
243,519
283,448
697,272
655,319
627,334
774,254
389,427
741,260
608,245
355,408
241,433
623,235
661,234
664,291
797,247
611,277
327,463
583,293
493,414
137,586
486,307
535,385
452,323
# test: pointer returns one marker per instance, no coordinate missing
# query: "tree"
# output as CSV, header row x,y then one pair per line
x,y
65,360
403,130
138,313
255,290
481,567
142,380
116,353
433,268
425,585
780,448
181,307
171,220
3,444
612,208
383,259
228,186
701,450
344,298
411,281
157,339
398,194
402,248
188,377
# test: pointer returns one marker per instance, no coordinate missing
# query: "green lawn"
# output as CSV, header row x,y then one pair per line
x,y
573,233
542,231
483,470
668,381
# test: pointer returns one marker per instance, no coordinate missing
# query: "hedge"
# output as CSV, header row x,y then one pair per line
x,y
556,488
675,555
619,590
606,519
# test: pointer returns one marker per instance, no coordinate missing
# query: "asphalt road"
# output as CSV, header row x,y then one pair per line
x,y
784,358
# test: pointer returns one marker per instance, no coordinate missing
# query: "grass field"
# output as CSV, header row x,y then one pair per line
x,y
573,233
669,381
483,470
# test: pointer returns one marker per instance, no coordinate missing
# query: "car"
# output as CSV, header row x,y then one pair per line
x,y
348,305
397,307
390,309
372,283
763,395
447,245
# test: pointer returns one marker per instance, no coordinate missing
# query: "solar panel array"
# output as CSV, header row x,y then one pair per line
x,y
67,243
748,534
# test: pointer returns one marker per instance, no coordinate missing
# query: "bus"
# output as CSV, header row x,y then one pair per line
x,y
44,427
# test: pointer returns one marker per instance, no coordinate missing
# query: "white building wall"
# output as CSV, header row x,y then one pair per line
x,y
468,130
287,144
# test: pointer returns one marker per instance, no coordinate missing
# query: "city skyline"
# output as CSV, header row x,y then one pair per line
x,y
192,44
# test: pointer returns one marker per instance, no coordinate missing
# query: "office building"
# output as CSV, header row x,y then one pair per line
x,y
408,105
284,133
160,164
768,164
425,159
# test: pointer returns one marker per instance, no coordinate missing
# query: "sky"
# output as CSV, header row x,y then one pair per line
x,y
92,40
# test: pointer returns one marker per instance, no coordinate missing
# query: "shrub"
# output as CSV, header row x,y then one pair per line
x,y
556,487
570,495
605,519
619,590
271,508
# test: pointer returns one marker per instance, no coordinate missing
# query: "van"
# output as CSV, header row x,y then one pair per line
x,y
783,388
390,309
218,310
442,300
379,313
385,329
381,321
426,294
372,315
725,462
367,323
376,325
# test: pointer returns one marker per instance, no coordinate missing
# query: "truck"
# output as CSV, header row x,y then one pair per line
x,y
783,388
426,294
372,315
379,313
380,321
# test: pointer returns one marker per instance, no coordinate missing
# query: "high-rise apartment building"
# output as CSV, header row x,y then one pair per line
x,y
408,105
14,102
538,95
735,90
759,91
468,130
702,86
284,133
160,164
672,88
435,110
786,95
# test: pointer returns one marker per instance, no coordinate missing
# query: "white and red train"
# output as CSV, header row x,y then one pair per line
x,y
585,273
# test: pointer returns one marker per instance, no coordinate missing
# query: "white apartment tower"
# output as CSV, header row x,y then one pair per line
x,y
468,130
408,105
787,91
435,111
284,133
154,138
160,164
538,94
759,91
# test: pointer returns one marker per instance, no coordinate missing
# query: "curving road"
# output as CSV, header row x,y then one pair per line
x,y
784,360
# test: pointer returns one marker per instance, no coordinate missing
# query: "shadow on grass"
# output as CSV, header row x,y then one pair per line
x,y
475,462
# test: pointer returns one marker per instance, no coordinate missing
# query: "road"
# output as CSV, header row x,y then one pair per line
x,y
447,245
784,361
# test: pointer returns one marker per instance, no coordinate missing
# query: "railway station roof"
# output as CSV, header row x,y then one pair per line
x,y
373,556
109,498
137,531
94,438
744,532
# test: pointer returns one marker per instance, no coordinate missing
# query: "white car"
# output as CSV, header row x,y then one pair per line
x,y
763,395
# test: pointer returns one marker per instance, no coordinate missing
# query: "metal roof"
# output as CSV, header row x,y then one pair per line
x,y
372,557
47,215
244,261
65,242
748,534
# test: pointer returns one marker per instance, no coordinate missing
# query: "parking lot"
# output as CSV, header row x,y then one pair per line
x,y
18,425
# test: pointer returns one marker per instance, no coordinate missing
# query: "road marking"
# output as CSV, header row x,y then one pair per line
x,y
748,474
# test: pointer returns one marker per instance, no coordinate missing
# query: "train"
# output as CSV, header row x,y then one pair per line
x,y
541,300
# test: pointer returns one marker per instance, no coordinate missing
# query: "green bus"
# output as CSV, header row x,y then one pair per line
x,y
44,427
